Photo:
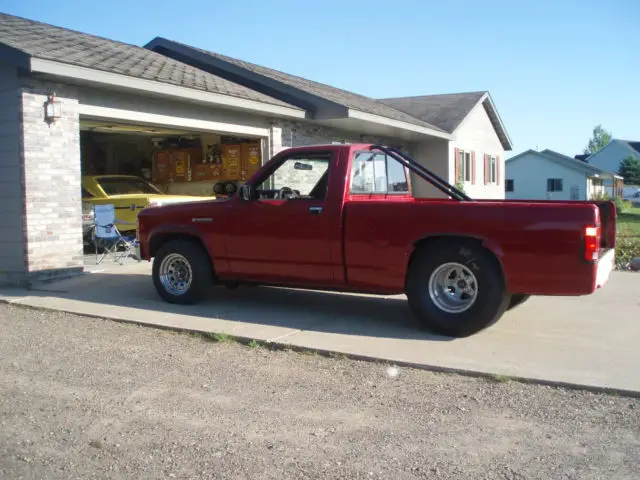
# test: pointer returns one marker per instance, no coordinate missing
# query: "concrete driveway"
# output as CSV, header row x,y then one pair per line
x,y
590,341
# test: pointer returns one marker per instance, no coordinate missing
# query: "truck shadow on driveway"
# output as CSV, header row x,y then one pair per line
x,y
134,298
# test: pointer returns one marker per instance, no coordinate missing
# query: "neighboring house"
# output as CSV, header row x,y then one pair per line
x,y
613,153
56,83
476,153
548,175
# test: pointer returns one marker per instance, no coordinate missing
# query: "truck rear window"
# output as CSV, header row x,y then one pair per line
x,y
374,172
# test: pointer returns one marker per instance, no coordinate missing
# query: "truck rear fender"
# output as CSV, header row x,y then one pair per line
x,y
488,244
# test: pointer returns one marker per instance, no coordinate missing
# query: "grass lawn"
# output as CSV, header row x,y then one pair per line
x,y
629,223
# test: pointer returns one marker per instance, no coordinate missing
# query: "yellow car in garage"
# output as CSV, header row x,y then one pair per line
x,y
129,194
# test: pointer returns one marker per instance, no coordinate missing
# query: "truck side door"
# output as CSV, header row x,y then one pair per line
x,y
282,234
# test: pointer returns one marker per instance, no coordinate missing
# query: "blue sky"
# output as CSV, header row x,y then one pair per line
x,y
554,68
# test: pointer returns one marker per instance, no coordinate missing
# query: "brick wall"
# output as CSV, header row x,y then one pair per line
x,y
285,135
51,158
12,246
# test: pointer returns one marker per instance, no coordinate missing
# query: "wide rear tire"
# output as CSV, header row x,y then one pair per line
x,y
456,288
182,272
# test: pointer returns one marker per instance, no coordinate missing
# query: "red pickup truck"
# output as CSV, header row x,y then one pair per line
x,y
343,217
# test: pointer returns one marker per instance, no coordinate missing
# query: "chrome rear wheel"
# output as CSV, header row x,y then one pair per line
x,y
453,288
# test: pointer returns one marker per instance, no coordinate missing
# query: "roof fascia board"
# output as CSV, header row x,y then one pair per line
x,y
552,158
99,112
520,155
100,77
369,117
319,107
466,117
581,166
500,122
487,97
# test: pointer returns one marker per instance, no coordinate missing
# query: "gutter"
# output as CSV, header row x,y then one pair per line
x,y
372,118
126,82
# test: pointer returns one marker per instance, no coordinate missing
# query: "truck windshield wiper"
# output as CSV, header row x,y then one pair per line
x,y
423,172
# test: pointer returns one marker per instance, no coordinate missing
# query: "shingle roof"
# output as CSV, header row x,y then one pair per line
x,y
632,144
559,157
445,111
49,42
326,92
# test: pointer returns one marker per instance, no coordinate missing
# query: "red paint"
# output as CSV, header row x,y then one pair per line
x,y
364,242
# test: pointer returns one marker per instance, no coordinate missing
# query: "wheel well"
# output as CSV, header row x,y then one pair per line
x,y
472,241
157,241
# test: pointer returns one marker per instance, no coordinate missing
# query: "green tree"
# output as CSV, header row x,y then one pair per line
x,y
630,170
599,138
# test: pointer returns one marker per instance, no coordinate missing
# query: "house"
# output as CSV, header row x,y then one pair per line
x,y
74,104
612,154
476,152
549,175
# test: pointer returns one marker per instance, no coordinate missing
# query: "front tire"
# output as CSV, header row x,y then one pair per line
x,y
182,272
456,288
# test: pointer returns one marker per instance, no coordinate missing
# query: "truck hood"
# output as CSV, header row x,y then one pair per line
x,y
159,199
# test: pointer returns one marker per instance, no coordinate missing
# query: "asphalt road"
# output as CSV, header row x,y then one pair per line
x,y
82,398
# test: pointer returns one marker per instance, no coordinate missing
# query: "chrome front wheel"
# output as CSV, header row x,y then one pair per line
x,y
175,274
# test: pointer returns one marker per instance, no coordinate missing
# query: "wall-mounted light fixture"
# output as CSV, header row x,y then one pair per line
x,y
52,109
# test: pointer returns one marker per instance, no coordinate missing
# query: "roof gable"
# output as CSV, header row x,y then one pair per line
x,y
561,159
449,110
48,42
311,95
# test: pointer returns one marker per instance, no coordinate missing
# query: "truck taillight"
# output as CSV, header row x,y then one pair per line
x,y
591,243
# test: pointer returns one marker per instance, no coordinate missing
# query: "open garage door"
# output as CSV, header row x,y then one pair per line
x,y
136,166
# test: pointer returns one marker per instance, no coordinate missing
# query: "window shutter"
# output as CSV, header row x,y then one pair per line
x,y
486,169
456,163
497,170
473,168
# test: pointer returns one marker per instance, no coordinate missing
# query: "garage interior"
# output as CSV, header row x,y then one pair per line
x,y
177,162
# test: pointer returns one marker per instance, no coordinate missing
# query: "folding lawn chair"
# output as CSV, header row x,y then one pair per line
x,y
107,236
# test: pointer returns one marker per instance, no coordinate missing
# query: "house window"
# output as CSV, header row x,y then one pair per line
x,y
378,173
508,186
465,168
554,184
493,169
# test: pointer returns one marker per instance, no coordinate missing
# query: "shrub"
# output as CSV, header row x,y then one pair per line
x,y
601,196
627,248
622,206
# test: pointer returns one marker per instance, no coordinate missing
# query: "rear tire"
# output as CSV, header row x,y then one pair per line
x,y
456,288
517,299
182,272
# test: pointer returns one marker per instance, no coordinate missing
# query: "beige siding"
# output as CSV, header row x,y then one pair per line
x,y
477,134
434,155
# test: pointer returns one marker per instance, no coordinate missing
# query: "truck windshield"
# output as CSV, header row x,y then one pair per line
x,y
127,186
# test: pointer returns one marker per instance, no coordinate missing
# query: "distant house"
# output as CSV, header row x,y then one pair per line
x,y
480,139
549,175
612,154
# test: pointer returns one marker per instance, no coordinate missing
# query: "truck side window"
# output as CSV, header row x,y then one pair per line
x,y
307,176
374,172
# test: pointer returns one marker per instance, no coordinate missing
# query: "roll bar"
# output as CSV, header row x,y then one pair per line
x,y
423,172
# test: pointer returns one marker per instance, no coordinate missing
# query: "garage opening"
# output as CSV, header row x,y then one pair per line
x,y
137,166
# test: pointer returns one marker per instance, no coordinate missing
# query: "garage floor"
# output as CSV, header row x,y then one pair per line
x,y
583,341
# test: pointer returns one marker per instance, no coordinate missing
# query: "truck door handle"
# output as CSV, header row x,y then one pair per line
x,y
315,210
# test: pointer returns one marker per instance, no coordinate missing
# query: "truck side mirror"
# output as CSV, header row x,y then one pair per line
x,y
245,192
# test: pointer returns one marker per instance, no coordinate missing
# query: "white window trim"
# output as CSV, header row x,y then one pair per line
x,y
493,170
466,155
